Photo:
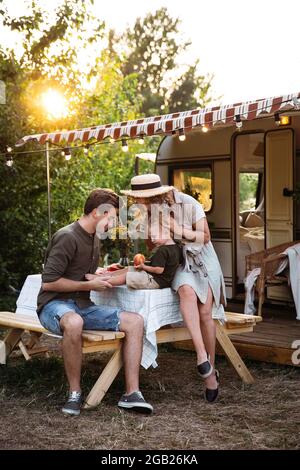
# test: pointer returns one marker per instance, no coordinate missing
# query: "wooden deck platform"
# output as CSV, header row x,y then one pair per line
x,y
271,341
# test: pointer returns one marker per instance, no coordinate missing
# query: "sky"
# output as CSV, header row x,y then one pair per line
x,y
251,47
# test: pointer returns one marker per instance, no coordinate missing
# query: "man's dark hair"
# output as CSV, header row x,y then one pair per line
x,y
100,196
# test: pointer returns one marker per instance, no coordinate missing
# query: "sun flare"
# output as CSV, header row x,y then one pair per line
x,y
54,104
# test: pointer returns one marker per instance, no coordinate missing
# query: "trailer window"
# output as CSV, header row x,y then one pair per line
x,y
195,182
248,191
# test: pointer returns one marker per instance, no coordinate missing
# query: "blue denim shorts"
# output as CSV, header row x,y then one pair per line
x,y
95,317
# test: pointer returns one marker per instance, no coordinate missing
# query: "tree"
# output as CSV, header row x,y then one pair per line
x,y
153,49
23,197
124,88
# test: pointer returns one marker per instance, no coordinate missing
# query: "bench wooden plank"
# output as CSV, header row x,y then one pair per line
x,y
31,323
233,317
102,346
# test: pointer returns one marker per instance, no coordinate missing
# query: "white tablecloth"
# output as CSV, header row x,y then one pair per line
x,y
158,307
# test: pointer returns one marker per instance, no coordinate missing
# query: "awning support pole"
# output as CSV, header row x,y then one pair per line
x,y
48,188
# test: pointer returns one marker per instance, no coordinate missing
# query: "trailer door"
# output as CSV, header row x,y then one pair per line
x,y
279,167
279,185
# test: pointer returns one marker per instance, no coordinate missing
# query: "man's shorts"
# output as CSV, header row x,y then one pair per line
x,y
141,280
95,317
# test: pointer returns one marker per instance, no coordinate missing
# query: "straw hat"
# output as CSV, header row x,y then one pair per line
x,y
146,186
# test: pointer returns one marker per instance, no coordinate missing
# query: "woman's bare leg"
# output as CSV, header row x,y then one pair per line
x,y
208,329
190,313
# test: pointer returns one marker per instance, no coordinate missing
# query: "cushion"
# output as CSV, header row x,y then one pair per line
x,y
254,220
256,239
243,232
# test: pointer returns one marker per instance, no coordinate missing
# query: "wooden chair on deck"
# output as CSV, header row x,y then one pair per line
x,y
268,261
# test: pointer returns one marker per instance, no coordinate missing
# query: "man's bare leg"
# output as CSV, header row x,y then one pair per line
x,y
71,324
133,326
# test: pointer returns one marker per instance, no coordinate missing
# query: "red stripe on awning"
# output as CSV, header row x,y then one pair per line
x,y
252,110
100,135
86,136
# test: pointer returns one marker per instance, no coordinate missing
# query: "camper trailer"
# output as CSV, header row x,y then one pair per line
x,y
246,181
246,178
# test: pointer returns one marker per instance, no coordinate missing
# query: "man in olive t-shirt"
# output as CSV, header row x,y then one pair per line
x,y
64,305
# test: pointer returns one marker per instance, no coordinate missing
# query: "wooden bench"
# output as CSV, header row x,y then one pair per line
x,y
100,341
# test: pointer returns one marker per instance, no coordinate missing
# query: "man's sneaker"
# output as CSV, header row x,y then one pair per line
x,y
73,404
205,369
135,402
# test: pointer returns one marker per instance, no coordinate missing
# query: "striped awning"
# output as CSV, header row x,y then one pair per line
x,y
170,123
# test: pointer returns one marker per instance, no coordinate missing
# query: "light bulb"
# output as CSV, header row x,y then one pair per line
x,y
111,140
9,149
66,153
204,129
238,122
9,161
277,119
124,145
141,140
182,136
86,150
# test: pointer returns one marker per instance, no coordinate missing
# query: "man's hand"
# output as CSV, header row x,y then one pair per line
x,y
98,283
101,270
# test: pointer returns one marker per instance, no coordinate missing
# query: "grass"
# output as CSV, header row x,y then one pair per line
x,y
265,415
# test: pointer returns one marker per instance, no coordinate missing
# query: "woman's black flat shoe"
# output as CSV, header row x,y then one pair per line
x,y
205,369
212,394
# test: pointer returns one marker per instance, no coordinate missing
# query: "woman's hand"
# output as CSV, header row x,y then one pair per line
x,y
171,228
140,267
175,228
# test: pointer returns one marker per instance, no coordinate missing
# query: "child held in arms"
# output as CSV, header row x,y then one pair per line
x,y
159,273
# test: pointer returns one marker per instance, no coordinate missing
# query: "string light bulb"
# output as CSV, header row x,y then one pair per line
x,y
86,150
111,140
124,145
238,122
204,128
9,149
66,153
9,161
182,135
141,139
277,119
